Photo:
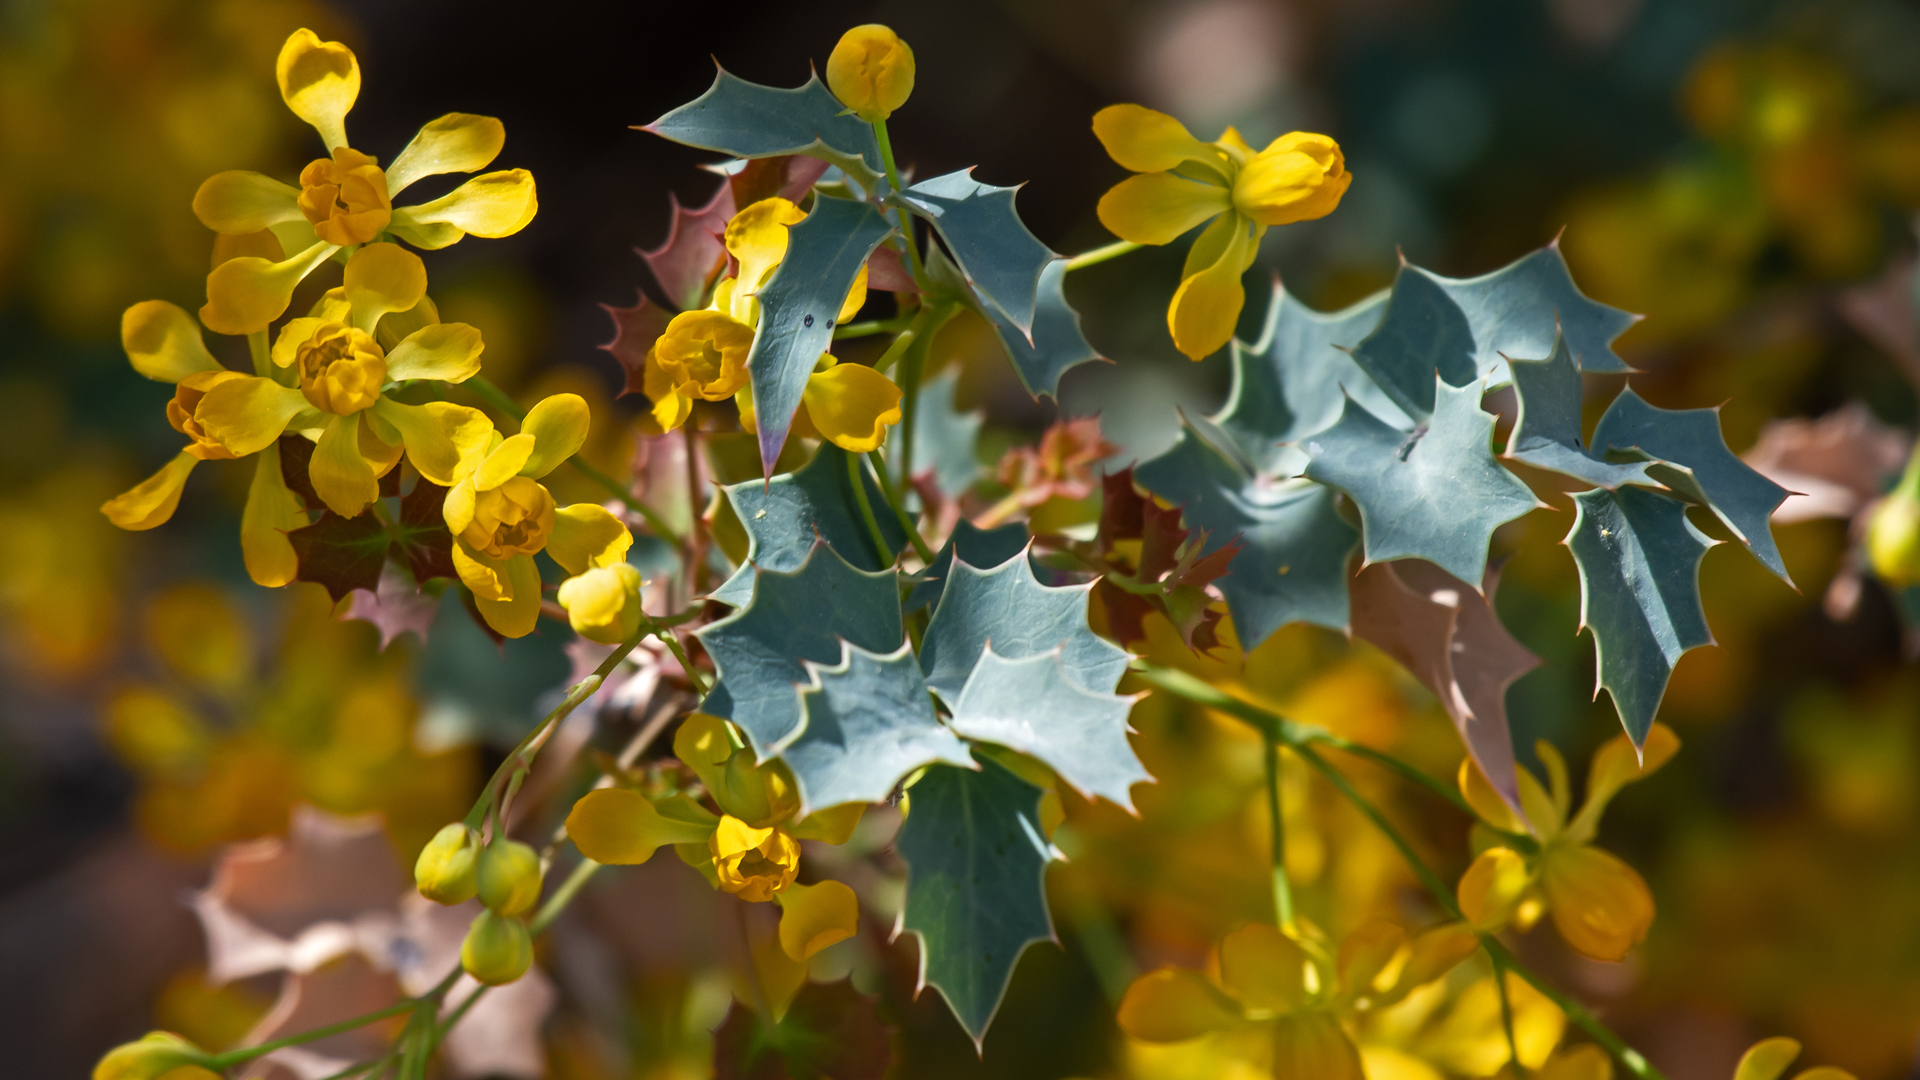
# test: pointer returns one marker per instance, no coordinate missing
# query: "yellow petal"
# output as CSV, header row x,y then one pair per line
x,y
813,917
164,342
1616,765
1600,905
1824,1072
1583,1062
443,440
757,239
832,825
319,81
603,602
459,507
264,244
1263,968
851,406
1367,951
1558,788
1767,1059
484,576
1206,307
1146,141
672,409
1154,208
248,413
296,332
1543,813
237,202
382,278
504,463
245,295
151,502
494,205
157,1055
272,512
455,143
558,424
398,326
1387,1063
1492,888
1313,1046
622,828
856,297
1486,802
341,476
514,615
1174,1005
704,744
1298,177
871,71
449,352
586,536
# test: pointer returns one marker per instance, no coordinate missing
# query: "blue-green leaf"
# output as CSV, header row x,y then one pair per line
x,y
797,307
1032,706
1435,493
794,616
944,438
1057,343
1293,567
978,547
749,120
784,516
1294,380
1465,327
976,883
1708,473
1547,433
866,722
1000,257
1639,560
1009,608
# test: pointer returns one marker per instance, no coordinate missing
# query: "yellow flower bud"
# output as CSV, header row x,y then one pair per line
x,y
345,197
509,878
1298,177
498,950
180,413
447,870
341,369
1893,539
155,1055
871,71
513,519
603,604
753,863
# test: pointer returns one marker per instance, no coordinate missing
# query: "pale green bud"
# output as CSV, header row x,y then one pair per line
x,y
497,950
446,870
509,878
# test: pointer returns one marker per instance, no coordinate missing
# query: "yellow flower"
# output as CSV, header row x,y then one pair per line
x,y
871,71
346,198
1600,905
1183,182
340,372
1893,534
1768,1060
703,354
603,604
501,516
1456,1027
157,1054
750,847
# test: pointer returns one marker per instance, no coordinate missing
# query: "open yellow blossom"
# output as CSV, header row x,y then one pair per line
x,y
1184,182
501,516
346,198
1600,905
329,378
702,355
750,847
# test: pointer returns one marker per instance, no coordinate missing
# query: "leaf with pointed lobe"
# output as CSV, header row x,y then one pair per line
x,y
1057,343
785,516
1547,434
1000,257
1008,608
944,438
866,722
341,554
1031,705
687,261
1834,466
983,548
748,120
754,179
420,532
829,1029
635,329
396,606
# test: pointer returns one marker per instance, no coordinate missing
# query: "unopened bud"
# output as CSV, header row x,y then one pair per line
x,y
498,950
509,878
446,870
1893,539
871,71
603,604
158,1054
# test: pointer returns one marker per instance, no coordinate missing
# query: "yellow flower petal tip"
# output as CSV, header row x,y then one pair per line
x,y
851,406
319,81
813,917
163,342
622,828
1174,1005
156,1054
1298,177
1600,905
245,295
871,71
603,604
151,503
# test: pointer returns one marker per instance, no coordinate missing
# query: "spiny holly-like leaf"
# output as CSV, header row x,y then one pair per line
x,y
977,547
784,517
797,307
397,606
1547,433
1708,473
1834,465
1008,608
342,554
1293,565
1435,494
794,616
944,438
686,261
749,120
999,255
1294,380
1030,705
753,179
1057,343
830,1030
1465,327
1165,571
1448,636
865,723
635,329
1639,560
976,883
421,533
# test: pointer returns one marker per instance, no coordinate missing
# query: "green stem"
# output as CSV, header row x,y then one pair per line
x,y
1282,889
563,895
870,327
660,629
1441,894
245,1054
1909,484
1506,1017
859,486
914,265
1101,254
1576,1012
895,350
916,361
892,493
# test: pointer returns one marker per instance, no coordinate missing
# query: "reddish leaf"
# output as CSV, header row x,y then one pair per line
x,y
1835,466
296,456
686,263
789,177
830,1030
886,273
342,554
1883,312
398,606
635,329
1122,508
421,534
1061,465
1169,574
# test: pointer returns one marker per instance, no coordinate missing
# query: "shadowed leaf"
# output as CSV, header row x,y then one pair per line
x,y
784,517
865,723
999,255
829,1030
635,329
343,554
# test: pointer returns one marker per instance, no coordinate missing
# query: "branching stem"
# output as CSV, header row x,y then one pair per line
x,y
914,265
1101,254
